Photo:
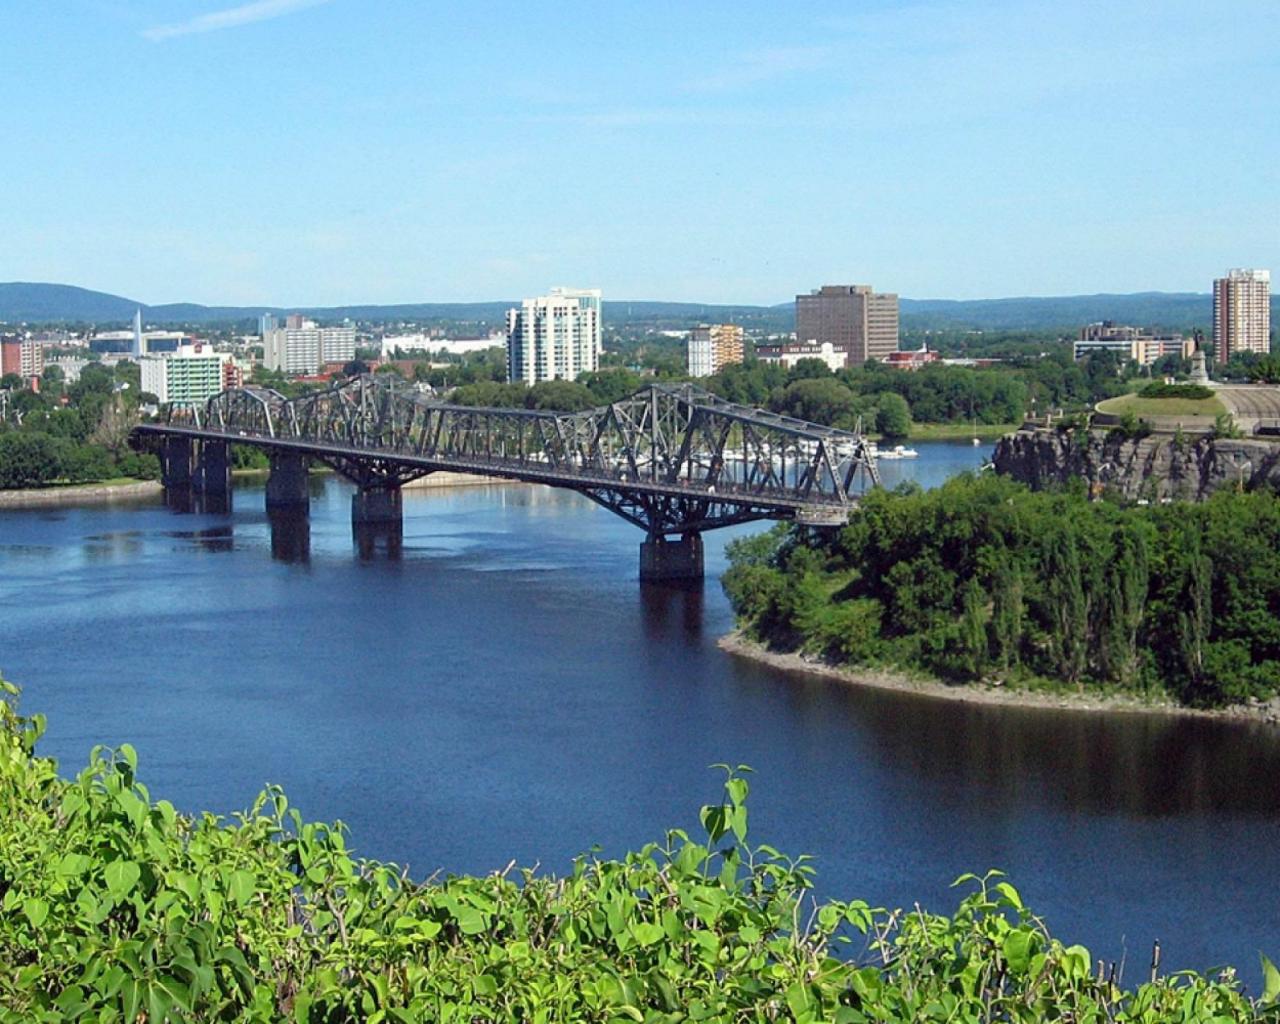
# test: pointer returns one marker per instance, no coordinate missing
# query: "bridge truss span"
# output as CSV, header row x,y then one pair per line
x,y
673,459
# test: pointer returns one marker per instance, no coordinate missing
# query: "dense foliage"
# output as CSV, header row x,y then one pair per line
x,y
1159,389
74,435
114,907
982,578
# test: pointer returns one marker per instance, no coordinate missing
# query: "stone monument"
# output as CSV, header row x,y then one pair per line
x,y
1199,367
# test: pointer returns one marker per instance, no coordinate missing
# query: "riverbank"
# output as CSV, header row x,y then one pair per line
x,y
899,681
447,479
959,431
79,494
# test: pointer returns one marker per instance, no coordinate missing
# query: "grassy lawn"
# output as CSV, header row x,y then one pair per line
x,y
115,481
1208,407
959,431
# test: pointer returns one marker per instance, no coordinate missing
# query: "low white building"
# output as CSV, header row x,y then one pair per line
x,y
430,345
792,352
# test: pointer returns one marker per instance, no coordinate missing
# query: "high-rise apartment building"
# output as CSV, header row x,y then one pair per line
x,y
856,321
302,346
1241,313
556,336
187,377
25,358
712,347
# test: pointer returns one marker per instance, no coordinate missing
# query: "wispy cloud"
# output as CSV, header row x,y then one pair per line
x,y
231,17
763,65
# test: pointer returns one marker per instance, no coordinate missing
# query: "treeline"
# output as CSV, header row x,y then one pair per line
x,y
883,399
117,907
983,579
43,441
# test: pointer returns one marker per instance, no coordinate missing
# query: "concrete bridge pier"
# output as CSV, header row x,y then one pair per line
x,y
212,478
290,534
176,462
287,489
376,505
176,473
666,560
377,520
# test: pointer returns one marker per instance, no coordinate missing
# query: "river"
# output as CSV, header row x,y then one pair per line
x,y
506,689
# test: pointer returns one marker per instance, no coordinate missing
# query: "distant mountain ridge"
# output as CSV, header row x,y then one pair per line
x,y
34,302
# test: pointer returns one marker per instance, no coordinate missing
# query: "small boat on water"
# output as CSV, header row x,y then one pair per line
x,y
897,452
976,442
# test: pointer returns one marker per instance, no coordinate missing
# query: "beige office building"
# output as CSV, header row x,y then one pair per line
x,y
713,347
302,346
856,321
1241,313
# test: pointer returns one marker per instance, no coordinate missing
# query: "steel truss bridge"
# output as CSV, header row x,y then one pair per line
x,y
673,459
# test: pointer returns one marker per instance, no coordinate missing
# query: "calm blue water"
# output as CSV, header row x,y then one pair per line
x,y
506,689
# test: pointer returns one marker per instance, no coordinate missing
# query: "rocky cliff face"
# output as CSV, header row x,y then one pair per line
x,y
1155,467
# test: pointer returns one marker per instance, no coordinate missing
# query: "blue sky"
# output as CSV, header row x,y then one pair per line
x,y
334,151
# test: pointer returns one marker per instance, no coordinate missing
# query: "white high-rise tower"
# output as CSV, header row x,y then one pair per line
x,y
137,333
554,337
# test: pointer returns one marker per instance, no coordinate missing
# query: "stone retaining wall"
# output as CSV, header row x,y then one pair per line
x,y
92,494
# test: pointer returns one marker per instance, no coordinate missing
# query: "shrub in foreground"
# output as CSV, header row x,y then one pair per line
x,y
115,907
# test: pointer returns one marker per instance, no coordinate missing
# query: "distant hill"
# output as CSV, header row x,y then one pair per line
x,y
1172,310
59,303
41,303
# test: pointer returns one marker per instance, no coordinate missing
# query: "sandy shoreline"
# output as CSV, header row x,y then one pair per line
x,y
89,494
901,682
446,478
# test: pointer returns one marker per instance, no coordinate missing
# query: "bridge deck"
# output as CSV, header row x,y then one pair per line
x,y
726,492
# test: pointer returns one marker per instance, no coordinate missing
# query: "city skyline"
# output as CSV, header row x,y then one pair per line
x,y
311,152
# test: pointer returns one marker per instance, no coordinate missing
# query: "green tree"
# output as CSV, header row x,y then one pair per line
x,y
820,400
560,396
28,459
893,416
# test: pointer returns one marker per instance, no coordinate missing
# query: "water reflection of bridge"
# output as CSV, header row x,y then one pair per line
x,y
672,459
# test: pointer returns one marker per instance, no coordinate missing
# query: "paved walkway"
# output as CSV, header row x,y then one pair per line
x,y
1258,401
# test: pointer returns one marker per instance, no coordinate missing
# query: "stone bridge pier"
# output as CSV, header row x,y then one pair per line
x,y
376,503
176,462
663,559
212,476
287,489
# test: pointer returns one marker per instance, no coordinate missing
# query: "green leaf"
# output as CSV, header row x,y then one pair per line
x,y
121,876
36,910
241,886
1270,981
647,933
1018,947
1010,893
174,992
71,864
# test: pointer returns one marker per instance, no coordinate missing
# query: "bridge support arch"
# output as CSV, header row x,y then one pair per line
x,y
663,559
